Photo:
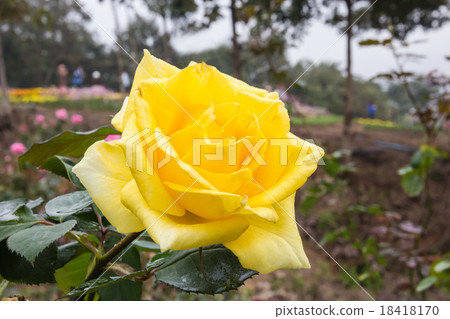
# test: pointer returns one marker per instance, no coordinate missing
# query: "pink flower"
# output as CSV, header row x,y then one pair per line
x,y
76,119
8,158
112,137
23,128
39,119
17,148
61,114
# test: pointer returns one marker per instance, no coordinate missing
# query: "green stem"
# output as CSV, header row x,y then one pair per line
x,y
87,244
102,261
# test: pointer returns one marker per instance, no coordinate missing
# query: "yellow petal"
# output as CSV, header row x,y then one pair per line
x,y
280,179
150,67
185,232
267,246
206,203
239,182
271,114
104,173
155,194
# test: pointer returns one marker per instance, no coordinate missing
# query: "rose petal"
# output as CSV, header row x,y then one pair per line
x,y
267,246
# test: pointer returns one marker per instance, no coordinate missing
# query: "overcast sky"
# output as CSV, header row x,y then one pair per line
x,y
314,45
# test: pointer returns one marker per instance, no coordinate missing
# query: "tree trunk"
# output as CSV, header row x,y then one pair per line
x,y
119,47
236,47
166,40
5,107
349,82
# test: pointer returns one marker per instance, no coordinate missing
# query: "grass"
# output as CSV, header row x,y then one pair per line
x,y
332,119
321,120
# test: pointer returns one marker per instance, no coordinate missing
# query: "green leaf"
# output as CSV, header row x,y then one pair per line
x,y
11,229
30,242
412,184
145,245
405,170
221,267
111,287
66,252
426,283
99,283
62,166
34,203
69,143
9,207
369,42
442,265
18,211
86,221
124,290
388,76
73,273
68,204
17,269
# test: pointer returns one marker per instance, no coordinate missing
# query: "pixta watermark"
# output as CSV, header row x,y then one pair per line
x,y
151,149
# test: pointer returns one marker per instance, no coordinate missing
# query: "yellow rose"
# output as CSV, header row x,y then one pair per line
x,y
203,159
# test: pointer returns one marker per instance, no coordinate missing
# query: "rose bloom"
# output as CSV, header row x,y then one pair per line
x,y
23,128
180,197
17,148
61,114
39,119
76,119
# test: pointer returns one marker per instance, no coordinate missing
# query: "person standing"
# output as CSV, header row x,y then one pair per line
x,y
78,77
371,110
61,77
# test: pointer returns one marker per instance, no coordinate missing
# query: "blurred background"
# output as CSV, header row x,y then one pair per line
x,y
366,80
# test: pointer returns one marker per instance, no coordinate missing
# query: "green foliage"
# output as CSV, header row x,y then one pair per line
x,y
30,242
73,273
125,289
413,176
213,270
68,143
439,275
18,269
94,285
18,210
10,229
320,120
403,16
324,85
68,204
62,166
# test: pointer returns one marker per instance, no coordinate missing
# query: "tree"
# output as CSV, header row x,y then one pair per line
x,y
9,10
54,33
274,26
400,17
325,85
179,12
403,16
346,21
